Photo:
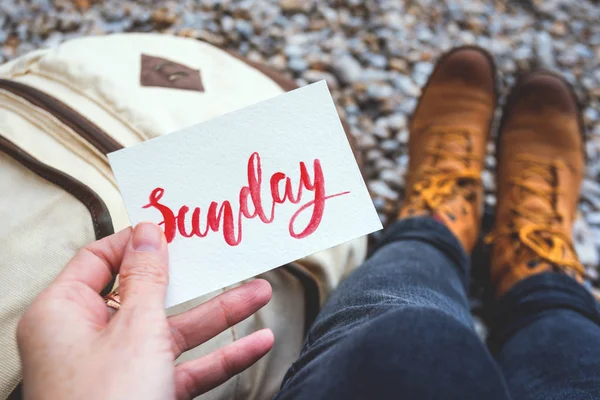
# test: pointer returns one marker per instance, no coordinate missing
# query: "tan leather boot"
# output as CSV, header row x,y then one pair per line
x,y
448,135
540,167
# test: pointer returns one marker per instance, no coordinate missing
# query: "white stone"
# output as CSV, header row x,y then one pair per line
x,y
380,188
347,68
392,177
584,243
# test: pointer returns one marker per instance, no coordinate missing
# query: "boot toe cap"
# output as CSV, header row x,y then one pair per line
x,y
541,91
471,66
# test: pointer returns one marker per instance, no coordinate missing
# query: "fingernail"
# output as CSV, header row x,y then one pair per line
x,y
146,237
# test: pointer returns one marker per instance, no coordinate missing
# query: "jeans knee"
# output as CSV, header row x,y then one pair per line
x,y
422,332
409,348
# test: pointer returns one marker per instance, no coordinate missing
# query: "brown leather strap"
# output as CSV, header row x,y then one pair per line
x,y
160,72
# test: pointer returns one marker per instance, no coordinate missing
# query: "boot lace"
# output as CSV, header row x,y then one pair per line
x,y
433,185
538,230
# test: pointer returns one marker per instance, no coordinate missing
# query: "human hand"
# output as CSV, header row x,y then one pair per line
x,y
71,347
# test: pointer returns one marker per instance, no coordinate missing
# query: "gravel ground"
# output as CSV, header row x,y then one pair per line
x,y
375,55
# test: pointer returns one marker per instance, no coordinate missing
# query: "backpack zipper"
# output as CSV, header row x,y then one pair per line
x,y
81,125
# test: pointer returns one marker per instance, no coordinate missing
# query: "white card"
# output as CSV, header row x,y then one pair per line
x,y
239,177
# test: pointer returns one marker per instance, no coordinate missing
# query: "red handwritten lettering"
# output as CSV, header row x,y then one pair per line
x,y
221,217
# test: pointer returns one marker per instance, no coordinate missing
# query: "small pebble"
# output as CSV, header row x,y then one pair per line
x,y
347,68
384,163
296,5
392,177
398,121
297,65
398,64
381,132
407,86
403,136
584,243
315,76
389,145
380,188
593,218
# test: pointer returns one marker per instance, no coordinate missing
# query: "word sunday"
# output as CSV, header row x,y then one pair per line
x,y
200,223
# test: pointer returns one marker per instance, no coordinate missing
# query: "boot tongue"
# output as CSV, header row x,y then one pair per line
x,y
457,147
533,202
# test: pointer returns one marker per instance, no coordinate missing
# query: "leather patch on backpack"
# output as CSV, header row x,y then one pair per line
x,y
157,71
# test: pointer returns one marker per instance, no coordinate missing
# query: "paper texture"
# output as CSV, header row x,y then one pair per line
x,y
249,191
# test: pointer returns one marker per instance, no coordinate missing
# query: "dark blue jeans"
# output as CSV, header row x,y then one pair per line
x,y
400,328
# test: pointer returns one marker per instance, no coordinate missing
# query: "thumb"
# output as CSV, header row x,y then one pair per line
x,y
144,271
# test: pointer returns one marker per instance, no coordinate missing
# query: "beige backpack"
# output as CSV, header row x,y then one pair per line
x,y
61,111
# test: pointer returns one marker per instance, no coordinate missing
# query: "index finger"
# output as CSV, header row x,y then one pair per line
x,y
95,264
